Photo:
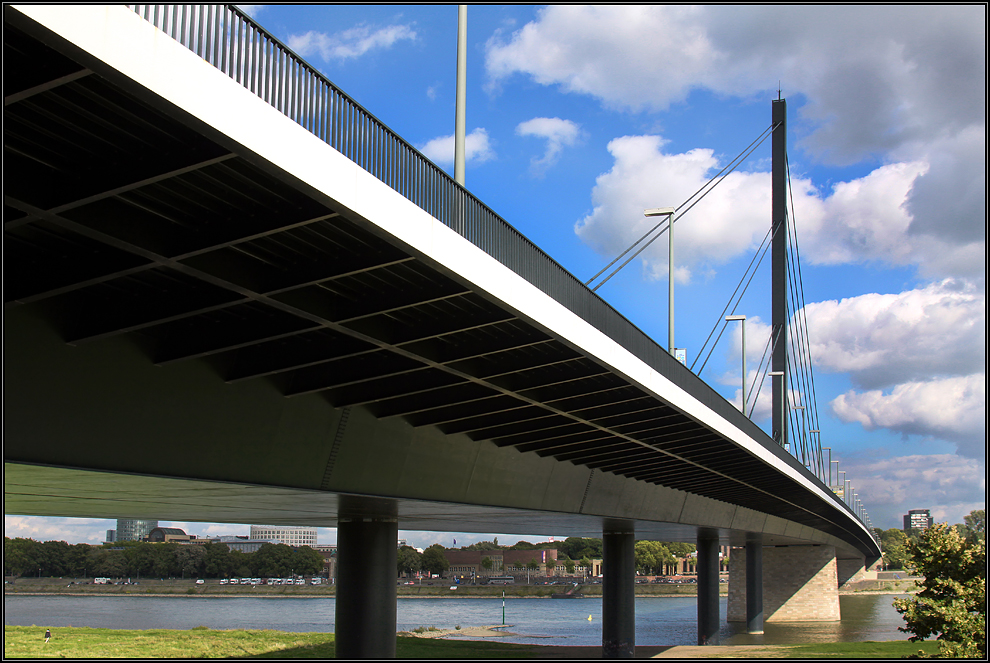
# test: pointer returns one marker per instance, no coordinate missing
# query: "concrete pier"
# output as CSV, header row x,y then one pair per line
x,y
619,594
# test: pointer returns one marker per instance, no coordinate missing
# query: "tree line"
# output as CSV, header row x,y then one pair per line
x,y
573,552
895,544
134,559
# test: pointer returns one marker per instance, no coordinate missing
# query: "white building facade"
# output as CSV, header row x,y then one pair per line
x,y
290,536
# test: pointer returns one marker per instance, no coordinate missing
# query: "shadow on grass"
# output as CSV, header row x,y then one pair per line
x,y
407,647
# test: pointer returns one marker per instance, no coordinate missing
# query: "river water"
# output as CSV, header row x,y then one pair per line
x,y
661,620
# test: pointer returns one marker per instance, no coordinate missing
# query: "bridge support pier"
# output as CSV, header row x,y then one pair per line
x,y
366,591
619,593
708,617
802,585
754,584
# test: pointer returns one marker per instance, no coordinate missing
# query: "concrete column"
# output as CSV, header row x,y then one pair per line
x,y
619,593
801,584
708,617
366,585
754,584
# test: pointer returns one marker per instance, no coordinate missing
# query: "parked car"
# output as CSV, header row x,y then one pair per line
x,y
199,582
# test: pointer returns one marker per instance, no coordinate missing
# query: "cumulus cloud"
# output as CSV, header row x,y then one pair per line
x,y
558,134
887,339
45,528
477,148
951,409
903,84
350,43
252,10
729,221
865,220
875,77
947,484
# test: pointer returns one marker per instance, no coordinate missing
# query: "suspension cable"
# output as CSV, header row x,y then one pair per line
x,y
742,156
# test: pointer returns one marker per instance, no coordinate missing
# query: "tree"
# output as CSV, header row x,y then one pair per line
x,y
952,602
652,555
217,562
409,560
894,542
976,523
586,563
306,561
487,563
434,560
569,566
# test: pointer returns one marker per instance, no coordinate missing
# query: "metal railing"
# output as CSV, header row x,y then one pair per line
x,y
233,43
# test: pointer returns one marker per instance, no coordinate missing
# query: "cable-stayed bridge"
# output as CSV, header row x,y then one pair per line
x,y
231,294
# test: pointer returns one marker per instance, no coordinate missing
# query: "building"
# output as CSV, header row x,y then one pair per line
x,y
469,564
290,536
329,552
133,530
919,519
111,535
168,535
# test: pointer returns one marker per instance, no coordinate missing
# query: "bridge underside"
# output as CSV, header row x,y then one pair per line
x,y
193,331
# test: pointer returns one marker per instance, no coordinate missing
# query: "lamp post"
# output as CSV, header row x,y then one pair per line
x,y
783,406
832,485
802,436
829,466
742,320
669,213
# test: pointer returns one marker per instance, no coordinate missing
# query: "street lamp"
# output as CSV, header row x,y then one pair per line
x,y
830,484
742,319
802,436
783,406
669,213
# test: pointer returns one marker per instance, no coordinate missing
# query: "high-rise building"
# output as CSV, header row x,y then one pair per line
x,y
290,536
111,535
134,530
919,519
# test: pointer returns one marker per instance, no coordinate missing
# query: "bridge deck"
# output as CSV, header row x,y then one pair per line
x,y
128,215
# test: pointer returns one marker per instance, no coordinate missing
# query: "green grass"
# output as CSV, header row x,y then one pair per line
x,y
846,650
201,642
71,642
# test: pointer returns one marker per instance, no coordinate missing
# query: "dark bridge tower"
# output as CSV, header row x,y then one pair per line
x,y
779,277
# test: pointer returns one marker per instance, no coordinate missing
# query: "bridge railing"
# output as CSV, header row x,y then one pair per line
x,y
233,43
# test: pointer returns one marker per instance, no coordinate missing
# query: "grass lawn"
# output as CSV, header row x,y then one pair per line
x,y
70,642
845,650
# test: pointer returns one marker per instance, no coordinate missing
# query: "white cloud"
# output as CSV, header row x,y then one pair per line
x,y
70,530
875,76
557,132
865,220
952,409
477,148
906,84
886,339
730,220
252,10
949,485
350,43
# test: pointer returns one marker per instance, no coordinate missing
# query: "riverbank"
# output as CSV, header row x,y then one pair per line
x,y
200,642
212,588
48,587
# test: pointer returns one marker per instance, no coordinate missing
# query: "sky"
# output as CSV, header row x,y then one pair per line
x,y
581,117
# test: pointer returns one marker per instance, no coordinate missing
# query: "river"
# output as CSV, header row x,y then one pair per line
x,y
661,620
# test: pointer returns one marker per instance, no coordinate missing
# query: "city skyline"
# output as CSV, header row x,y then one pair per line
x,y
581,117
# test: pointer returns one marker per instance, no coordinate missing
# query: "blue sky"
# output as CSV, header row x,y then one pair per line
x,y
579,117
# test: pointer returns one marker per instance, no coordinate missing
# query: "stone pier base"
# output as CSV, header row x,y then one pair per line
x,y
800,583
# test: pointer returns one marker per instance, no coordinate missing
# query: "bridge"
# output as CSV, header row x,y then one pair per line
x,y
233,295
